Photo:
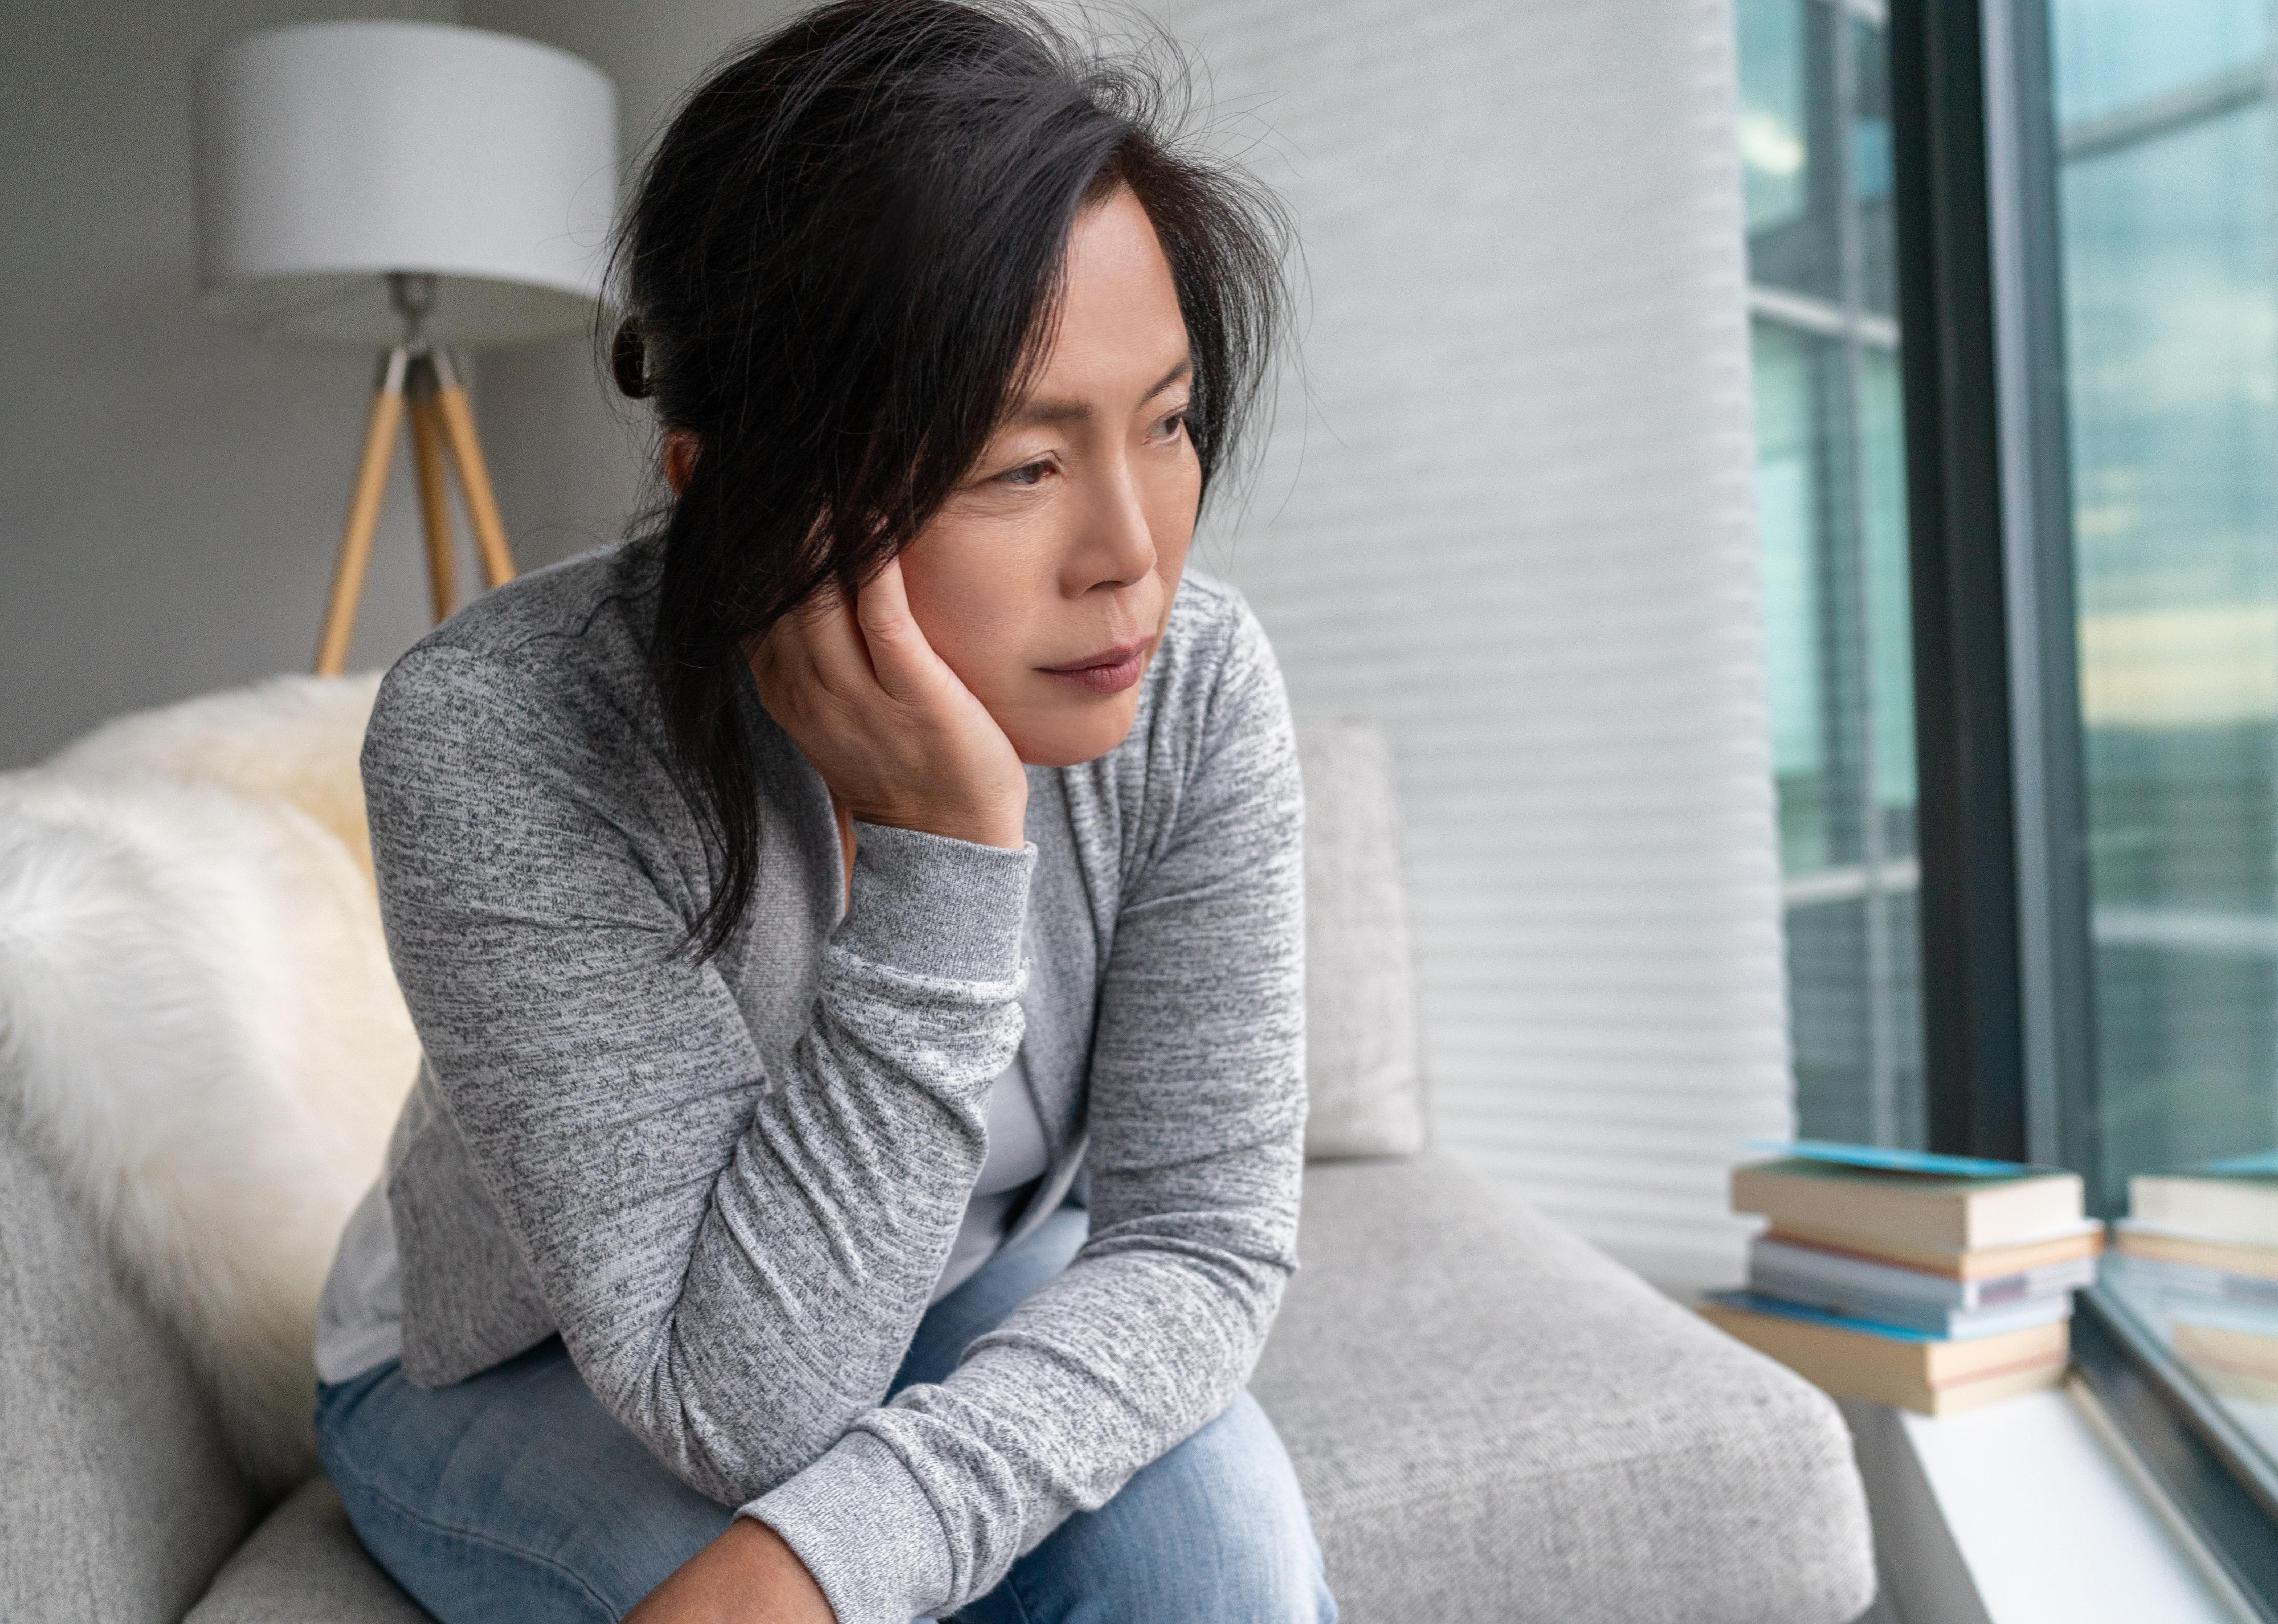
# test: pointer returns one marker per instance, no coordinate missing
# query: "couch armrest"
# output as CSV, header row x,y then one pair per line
x,y
1493,1421
305,1565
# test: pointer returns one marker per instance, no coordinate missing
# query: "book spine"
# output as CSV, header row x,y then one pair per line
x,y
1838,1271
2189,1280
1892,1282
1945,1321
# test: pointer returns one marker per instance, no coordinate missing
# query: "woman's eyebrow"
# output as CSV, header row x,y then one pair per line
x,y
1185,367
1076,411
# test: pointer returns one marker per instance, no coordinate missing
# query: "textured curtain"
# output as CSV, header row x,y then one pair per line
x,y
1508,510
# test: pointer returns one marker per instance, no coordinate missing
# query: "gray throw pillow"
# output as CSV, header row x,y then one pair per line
x,y
1363,1070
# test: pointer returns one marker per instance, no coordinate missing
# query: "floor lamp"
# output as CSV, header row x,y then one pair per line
x,y
420,187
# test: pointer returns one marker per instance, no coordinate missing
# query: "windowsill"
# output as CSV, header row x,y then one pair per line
x,y
2018,1513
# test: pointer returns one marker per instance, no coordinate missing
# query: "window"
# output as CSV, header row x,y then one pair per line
x,y
1815,153
2075,205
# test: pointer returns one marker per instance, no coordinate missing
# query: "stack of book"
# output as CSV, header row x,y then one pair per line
x,y
2202,1247
1933,1283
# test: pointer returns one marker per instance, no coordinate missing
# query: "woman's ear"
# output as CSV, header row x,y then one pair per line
x,y
679,457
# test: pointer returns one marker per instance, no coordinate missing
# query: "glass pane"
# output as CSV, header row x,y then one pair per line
x,y
1774,146
1869,123
1793,144
1815,135
1788,428
2171,331
2125,55
1890,617
2170,271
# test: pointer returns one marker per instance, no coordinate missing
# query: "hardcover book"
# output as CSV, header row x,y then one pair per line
x,y
2234,1202
1909,1197
2084,1239
1854,1358
2170,1279
1936,1303
2133,1237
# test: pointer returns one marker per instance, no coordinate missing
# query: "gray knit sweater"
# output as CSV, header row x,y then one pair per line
x,y
729,1188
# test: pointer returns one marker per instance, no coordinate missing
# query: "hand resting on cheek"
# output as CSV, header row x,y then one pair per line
x,y
897,736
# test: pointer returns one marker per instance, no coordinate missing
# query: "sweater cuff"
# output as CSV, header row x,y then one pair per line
x,y
933,905
866,1531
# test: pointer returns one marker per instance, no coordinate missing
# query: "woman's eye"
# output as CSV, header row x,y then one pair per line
x,y
1172,426
1027,473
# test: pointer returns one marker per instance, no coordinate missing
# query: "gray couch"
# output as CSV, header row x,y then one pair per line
x,y
1492,1420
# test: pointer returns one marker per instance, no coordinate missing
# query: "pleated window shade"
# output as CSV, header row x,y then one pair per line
x,y
1509,511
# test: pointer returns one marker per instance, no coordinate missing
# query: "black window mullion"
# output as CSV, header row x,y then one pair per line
x,y
2056,961
1973,1045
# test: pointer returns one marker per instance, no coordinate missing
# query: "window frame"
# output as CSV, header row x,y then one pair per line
x,y
2007,966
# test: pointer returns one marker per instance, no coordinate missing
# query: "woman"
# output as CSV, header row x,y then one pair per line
x,y
854,931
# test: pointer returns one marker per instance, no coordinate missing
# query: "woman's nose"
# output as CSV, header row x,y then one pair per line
x,y
1116,547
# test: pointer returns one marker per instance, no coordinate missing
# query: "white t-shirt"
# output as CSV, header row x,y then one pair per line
x,y
360,1316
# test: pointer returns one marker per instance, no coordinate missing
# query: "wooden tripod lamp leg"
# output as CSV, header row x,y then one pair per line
x,y
434,499
474,476
363,513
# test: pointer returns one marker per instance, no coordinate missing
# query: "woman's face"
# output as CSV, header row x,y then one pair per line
x,y
1045,580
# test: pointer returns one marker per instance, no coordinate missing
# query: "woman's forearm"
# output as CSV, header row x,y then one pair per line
x,y
805,1271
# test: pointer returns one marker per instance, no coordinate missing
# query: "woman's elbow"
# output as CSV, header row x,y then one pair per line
x,y
720,1439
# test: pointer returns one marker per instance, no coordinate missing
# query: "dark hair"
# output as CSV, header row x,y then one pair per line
x,y
837,268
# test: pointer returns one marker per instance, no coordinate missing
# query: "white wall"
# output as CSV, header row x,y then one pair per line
x,y
171,490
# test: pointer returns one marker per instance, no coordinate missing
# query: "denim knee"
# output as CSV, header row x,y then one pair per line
x,y
510,1495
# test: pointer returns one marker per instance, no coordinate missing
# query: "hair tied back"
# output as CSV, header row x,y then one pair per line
x,y
629,361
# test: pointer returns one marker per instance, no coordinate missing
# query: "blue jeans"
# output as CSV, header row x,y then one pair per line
x,y
514,1496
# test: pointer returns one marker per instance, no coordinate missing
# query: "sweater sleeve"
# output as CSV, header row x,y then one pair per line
x,y
735,1269
1197,1108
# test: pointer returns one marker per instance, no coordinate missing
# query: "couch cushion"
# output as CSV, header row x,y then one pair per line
x,y
1492,1422
1364,1078
121,1498
305,1566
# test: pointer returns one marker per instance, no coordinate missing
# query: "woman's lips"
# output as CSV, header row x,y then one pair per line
x,y
1111,671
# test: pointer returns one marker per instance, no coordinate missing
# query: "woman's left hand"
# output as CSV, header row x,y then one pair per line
x,y
746,1576
893,732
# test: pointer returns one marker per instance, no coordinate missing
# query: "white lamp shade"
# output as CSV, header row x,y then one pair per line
x,y
328,154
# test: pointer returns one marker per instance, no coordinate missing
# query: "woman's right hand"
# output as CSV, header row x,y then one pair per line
x,y
747,1574
895,734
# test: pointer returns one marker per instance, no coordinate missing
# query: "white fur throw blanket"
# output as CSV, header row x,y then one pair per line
x,y
198,1024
